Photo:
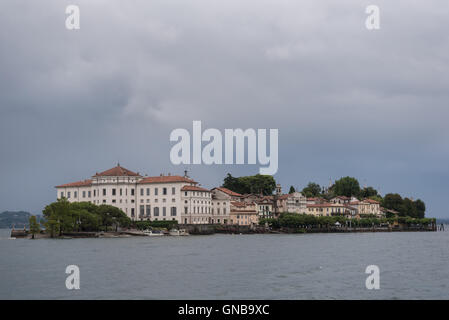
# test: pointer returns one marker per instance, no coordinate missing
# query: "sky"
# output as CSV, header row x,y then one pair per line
x,y
347,101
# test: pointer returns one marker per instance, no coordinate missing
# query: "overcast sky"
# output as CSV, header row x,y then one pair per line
x,y
346,100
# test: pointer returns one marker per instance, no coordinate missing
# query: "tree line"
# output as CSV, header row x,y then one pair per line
x,y
63,216
291,220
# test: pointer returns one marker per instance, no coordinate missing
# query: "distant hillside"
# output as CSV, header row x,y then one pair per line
x,y
16,218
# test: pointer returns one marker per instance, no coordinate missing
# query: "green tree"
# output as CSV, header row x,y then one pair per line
x,y
292,190
112,216
392,201
312,190
60,215
408,208
255,184
368,192
420,208
346,186
34,226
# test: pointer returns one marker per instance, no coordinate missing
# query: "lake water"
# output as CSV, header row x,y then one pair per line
x,y
413,265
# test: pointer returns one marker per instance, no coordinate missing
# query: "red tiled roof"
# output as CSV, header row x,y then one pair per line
x,y
166,179
117,171
84,183
194,188
229,192
239,204
371,201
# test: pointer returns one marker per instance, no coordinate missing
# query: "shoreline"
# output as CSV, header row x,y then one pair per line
x,y
195,230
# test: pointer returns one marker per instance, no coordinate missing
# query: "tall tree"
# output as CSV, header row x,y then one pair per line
x,y
420,208
368,192
255,184
392,201
34,226
292,190
312,190
408,208
347,186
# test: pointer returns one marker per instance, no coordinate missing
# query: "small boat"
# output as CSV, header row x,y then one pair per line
x,y
178,232
153,233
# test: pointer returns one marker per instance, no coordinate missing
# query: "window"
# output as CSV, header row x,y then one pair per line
x,y
148,191
185,210
164,191
141,191
132,212
89,194
84,194
164,211
142,211
155,191
62,194
113,192
75,194
173,211
148,210
104,192
95,193
68,195
156,211
132,191
113,200
185,193
104,201
173,190
120,191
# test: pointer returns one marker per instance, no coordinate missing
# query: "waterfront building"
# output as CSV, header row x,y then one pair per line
x,y
197,203
221,206
265,207
331,209
244,213
367,207
142,197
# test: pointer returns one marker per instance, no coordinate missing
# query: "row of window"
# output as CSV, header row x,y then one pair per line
x,y
145,211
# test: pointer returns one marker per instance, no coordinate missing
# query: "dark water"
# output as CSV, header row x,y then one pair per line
x,y
315,266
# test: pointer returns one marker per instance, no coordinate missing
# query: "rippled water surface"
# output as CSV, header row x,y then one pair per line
x,y
312,266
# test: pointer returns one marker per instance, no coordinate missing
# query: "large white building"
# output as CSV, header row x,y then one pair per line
x,y
163,197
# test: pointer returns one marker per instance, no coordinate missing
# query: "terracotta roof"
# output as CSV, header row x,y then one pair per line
x,y
117,171
229,192
239,204
166,179
194,188
84,183
371,201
